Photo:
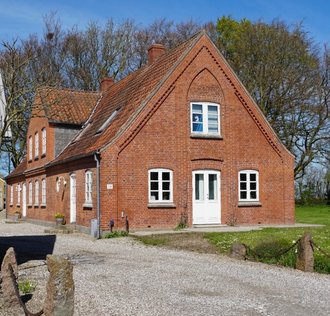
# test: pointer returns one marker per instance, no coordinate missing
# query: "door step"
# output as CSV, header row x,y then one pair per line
x,y
208,225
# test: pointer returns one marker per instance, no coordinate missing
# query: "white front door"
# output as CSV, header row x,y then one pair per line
x,y
24,200
206,197
72,198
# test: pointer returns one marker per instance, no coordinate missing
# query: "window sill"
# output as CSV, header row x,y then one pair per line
x,y
205,136
30,160
29,205
18,205
88,205
43,155
36,205
161,205
43,205
11,205
249,204
36,158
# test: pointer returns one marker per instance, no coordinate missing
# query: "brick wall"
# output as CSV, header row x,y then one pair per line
x,y
165,142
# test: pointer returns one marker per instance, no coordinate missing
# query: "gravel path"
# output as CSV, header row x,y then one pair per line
x,y
123,277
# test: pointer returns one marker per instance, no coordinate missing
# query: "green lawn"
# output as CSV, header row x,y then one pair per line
x,y
272,240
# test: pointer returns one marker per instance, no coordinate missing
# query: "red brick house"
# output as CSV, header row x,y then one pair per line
x,y
180,137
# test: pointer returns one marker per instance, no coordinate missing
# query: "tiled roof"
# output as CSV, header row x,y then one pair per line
x,y
124,96
19,170
65,105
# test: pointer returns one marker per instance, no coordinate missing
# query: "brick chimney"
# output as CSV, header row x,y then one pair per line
x,y
155,51
106,83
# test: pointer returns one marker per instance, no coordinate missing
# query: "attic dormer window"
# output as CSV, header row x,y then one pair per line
x,y
108,121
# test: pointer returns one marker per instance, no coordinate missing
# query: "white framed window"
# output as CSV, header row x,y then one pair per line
x,y
88,186
18,188
160,186
36,144
43,191
30,193
11,195
205,118
248,185
43,141
36,192
30,148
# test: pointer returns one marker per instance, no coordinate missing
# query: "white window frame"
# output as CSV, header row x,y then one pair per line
x,y
88,187
36,145
30,148
36,192
43,141
248,186
160,190
18,189
30,193
43,191
205,118
11,195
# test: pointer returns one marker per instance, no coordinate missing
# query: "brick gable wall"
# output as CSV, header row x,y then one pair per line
x,y
164,141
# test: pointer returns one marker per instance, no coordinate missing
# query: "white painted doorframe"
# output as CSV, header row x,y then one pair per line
x,y
206,197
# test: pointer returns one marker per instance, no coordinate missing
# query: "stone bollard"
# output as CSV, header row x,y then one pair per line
x,y
238,251
9,275
60,287
305,256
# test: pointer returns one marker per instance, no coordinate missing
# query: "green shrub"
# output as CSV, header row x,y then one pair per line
x,y
26,286
322,264
271,248
116,234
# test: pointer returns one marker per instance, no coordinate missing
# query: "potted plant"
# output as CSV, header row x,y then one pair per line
x,y
59,218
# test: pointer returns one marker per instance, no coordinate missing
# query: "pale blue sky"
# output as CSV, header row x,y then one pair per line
x,y
18,18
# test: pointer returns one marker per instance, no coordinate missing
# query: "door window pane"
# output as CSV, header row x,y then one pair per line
x,y
213,187
199,187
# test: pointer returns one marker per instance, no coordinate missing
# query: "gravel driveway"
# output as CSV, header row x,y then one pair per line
x,y
123,277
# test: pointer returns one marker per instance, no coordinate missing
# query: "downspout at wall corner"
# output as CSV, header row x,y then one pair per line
x,y
98,195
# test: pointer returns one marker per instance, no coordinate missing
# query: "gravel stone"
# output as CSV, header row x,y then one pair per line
x,y
123,277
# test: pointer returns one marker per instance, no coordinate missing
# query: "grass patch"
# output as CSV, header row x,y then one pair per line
x,y
269,237
116,234
265,243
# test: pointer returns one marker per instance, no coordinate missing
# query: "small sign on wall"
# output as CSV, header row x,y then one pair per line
x,y
109,186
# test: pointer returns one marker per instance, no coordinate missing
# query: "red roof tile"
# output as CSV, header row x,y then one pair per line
x,y
126,96
65,105
19,170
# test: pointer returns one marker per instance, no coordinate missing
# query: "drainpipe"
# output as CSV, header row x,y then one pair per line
x,y
98,209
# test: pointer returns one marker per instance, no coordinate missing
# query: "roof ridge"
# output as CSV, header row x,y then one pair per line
x,y
68,89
